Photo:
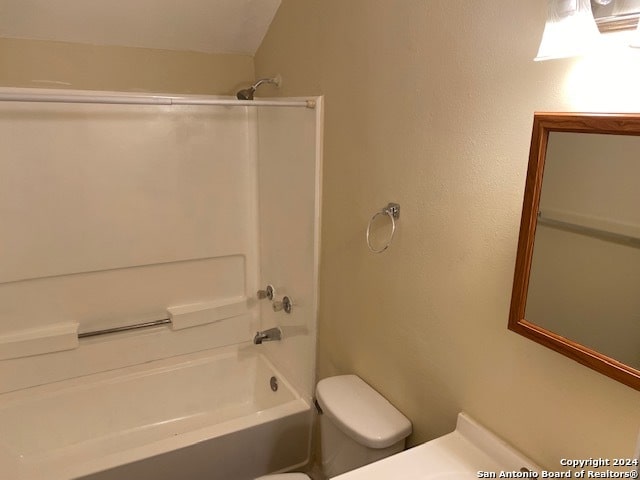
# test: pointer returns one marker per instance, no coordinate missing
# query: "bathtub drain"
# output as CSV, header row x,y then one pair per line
x,y
274,384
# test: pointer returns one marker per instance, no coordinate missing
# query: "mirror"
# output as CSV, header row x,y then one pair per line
x,y
614,15
576,286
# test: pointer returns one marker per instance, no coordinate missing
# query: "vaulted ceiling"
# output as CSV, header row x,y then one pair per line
x,y
212,26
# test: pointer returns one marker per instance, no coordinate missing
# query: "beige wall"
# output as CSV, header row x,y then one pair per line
x,y
42,64
430,104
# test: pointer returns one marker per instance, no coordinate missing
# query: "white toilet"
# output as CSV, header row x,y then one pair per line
x,y
358,426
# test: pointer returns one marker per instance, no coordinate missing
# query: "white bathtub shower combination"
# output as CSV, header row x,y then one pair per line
x,y
205,415
175,214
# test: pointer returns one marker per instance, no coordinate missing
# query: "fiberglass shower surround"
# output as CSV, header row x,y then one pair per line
x,y
167,210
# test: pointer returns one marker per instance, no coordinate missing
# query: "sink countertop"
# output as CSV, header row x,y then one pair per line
x,y
461,455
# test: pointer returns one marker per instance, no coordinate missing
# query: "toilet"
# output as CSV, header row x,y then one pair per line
x,y
357,426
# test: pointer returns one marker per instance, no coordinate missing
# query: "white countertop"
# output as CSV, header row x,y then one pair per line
x,y
460,455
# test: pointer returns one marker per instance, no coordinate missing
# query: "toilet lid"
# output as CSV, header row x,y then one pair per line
x,y
285,476
361,412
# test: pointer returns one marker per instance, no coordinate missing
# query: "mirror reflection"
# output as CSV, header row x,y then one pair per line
x,y
613,15
585,273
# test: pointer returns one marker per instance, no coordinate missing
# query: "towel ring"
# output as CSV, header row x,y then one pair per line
x,y
393,211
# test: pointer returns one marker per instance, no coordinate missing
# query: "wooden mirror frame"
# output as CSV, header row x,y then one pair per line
x,y
543,124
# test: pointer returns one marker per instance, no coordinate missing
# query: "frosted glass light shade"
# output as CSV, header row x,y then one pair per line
x,y
570,30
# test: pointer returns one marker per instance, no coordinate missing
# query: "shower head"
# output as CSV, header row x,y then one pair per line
x,y
247,93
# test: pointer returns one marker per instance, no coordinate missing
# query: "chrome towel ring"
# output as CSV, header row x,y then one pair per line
x,y
392,210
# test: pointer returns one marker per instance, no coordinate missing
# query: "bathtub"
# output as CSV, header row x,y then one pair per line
x,y
209,415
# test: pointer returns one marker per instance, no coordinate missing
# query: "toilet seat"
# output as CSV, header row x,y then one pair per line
x,y
285,476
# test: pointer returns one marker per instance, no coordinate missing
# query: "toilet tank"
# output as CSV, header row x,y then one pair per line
x,y
358,425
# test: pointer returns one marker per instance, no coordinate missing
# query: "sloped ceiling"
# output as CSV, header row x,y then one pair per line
x,y
212,26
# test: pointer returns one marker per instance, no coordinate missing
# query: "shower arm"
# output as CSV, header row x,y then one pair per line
x,y
275,80
247,93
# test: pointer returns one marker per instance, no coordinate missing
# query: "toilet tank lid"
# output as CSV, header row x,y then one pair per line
x,y
361,412
284,476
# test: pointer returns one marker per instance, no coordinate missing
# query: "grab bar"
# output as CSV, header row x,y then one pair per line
x,y
153,323
186,316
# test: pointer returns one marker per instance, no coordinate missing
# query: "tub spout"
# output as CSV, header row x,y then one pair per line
x,y
267,335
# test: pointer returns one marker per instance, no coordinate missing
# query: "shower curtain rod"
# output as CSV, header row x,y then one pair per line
x,y
616,237
149,100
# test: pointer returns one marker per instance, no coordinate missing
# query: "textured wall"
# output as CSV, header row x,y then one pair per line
x,y
430,104
42,64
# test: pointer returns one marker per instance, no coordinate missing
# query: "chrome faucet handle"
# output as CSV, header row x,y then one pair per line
x,y
268,292
285,304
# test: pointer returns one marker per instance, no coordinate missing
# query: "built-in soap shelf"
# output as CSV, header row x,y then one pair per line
x,y
66,336
192,315
35,341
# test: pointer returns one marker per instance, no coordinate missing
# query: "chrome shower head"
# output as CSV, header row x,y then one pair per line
x,y
247,93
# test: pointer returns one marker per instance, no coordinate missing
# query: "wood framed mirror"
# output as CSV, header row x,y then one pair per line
x,y
576,285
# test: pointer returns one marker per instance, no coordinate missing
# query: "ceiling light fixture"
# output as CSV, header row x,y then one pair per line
x,y
570,29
